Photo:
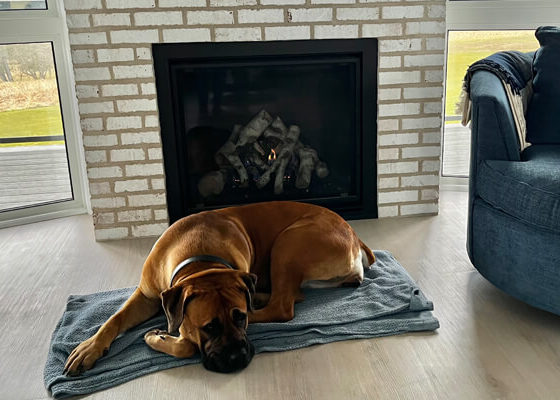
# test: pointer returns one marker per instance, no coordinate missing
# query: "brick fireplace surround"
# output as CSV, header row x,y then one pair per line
x,y
111,52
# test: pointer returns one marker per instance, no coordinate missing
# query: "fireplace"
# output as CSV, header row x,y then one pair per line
x,y
258,121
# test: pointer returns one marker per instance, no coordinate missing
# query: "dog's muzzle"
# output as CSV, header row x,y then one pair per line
x,y
230,358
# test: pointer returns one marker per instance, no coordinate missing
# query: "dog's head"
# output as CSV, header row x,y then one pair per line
x,y
210,309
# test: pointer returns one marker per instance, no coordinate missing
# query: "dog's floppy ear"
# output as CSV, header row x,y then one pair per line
x,y
174,302
250,281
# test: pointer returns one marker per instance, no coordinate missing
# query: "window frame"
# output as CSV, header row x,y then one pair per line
x,y
35,25
491,15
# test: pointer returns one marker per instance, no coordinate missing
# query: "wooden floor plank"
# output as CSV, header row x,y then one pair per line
x,y
489,345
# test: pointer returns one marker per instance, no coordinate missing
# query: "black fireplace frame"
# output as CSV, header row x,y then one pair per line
x,y
167,54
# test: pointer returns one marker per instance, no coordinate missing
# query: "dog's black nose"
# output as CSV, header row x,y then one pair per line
x,y
232,358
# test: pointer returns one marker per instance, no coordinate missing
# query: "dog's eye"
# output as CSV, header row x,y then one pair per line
x,y
212,328
239,318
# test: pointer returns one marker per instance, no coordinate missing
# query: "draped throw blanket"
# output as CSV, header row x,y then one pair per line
x,y
514,69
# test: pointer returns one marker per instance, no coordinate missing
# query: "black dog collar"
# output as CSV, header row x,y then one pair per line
x,y
204,257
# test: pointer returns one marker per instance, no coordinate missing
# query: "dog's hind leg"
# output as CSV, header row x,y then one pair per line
x,y
330,263
138,308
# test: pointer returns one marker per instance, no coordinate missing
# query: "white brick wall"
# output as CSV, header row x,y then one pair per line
x,y
116,19
111,50
128,4
268,15
87,91
116,123
357,14
143,200
92,74
133,71
398,139
144,169
136,105
128,155
401,167
310,14
336,31
287,32
97,108
238,34
113,55
187,35
83,56
135,36
400,12
100,140
78,21
381,30
104,172
140,137
280,2
135,215
210,17
397,197
123,89
182,3
132,185
158,18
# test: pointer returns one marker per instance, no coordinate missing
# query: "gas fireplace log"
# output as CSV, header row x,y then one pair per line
x,y
255,128
284,156
276,130
265,177
228,152
260,150
307,160
227,148
257,157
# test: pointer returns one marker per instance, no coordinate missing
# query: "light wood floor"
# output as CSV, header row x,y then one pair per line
x,y
489,346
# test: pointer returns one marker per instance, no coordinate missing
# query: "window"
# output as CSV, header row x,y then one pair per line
x,y
40,150
32,147
476,29
463,49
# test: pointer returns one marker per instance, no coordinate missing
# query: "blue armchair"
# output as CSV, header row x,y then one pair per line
x,y
513,236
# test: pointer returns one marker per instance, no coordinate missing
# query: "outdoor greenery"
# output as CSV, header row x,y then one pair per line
x,y
29,104
44,121
466,47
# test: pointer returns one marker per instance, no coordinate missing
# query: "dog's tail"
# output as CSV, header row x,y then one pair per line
x,y
367,255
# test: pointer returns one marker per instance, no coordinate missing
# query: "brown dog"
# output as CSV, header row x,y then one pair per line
x,y
288,245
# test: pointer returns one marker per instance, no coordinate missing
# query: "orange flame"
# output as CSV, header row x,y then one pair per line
x,y
272,155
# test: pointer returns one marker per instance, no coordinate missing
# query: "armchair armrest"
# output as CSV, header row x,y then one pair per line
x,y
493,132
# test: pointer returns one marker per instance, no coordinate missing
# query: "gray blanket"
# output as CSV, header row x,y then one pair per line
x,y
387,303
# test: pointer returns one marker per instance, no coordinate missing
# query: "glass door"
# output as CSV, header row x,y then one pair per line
x,y
41,157
32,145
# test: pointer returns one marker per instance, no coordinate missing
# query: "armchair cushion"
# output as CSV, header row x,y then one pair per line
x,y
542,153
528,191
543,113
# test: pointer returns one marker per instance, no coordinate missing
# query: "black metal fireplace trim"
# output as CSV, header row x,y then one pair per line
x,y
166,54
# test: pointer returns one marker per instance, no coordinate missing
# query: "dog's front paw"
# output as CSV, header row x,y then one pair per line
x,y
154,338
84,356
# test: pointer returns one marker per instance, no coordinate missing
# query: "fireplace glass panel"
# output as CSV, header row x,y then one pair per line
x,y
317,95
